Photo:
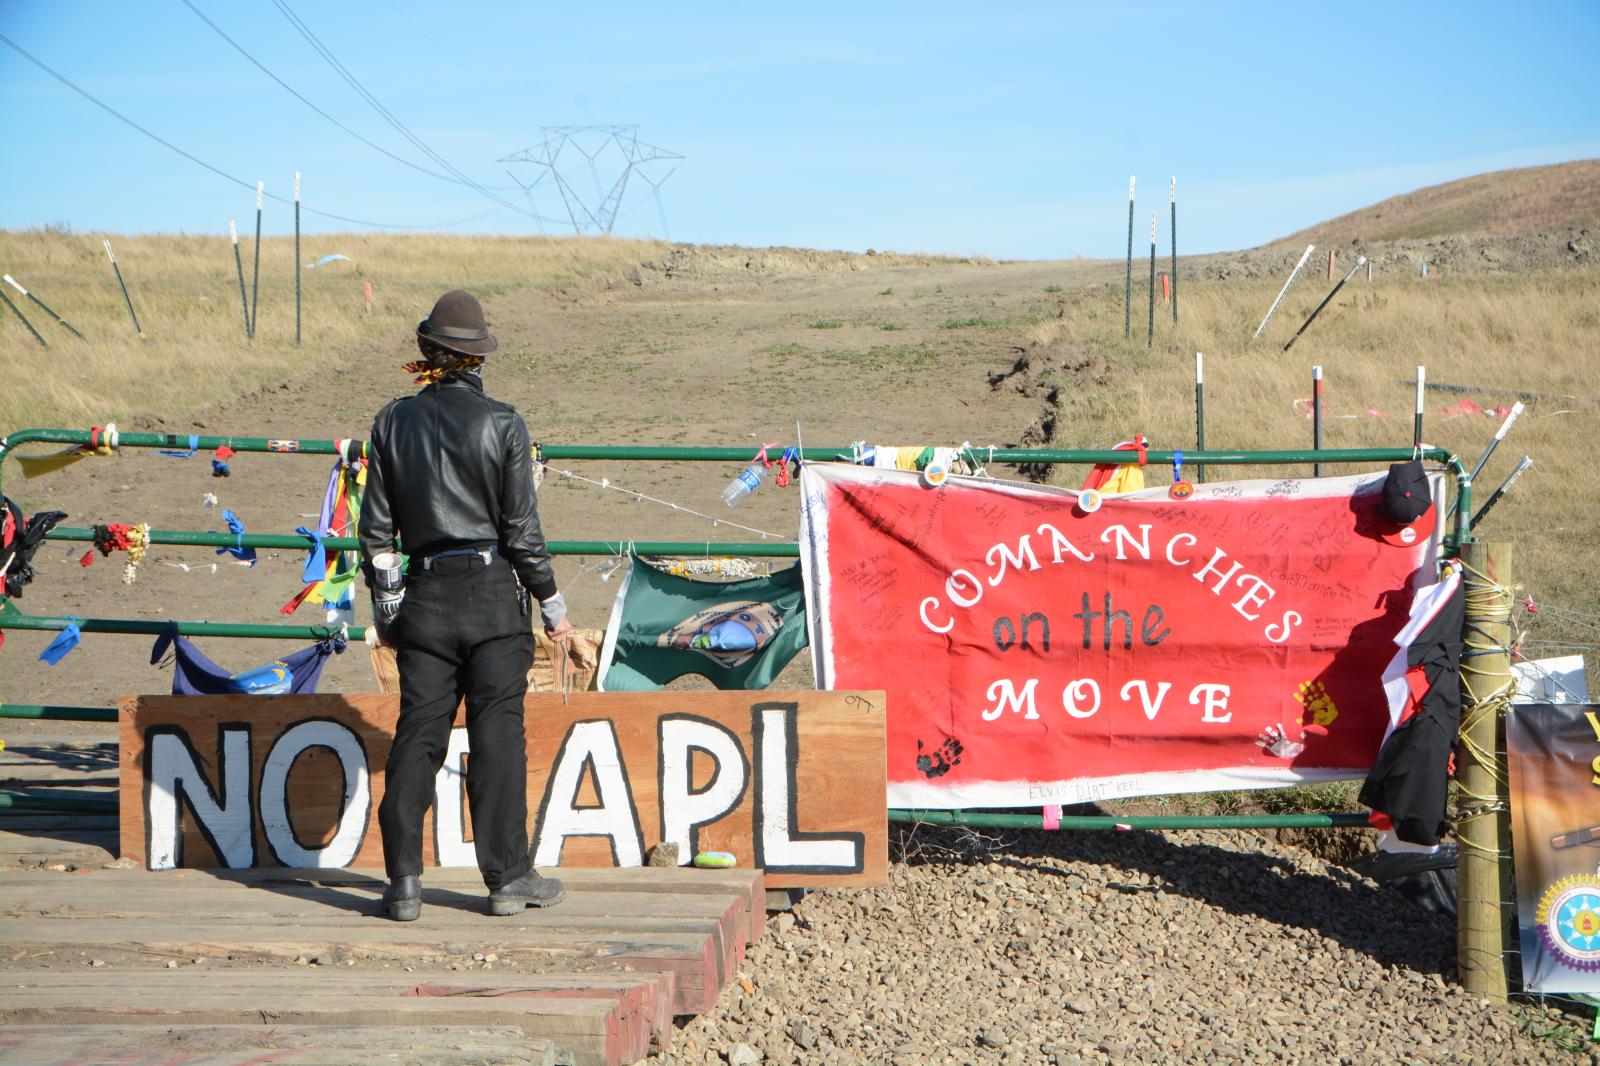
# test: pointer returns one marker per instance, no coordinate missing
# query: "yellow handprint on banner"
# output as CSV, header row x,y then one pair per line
x,y
1313,696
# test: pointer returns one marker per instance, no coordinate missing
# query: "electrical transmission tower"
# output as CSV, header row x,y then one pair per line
x,y
615,147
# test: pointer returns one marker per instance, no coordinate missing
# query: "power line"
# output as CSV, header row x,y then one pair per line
x,y
302,98
293,92
388,116
119,116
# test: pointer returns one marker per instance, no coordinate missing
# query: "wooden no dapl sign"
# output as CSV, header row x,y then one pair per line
x,y
792,782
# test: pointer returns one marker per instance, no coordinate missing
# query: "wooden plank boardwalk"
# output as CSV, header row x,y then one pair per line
x,y
34,760
298,966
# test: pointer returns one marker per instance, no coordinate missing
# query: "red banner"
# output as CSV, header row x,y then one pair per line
x,y
1036,654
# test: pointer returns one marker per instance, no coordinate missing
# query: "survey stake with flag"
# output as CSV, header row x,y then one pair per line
x,y
737,634
1036,654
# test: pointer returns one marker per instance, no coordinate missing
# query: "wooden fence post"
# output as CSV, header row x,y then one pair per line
x,y
1486,913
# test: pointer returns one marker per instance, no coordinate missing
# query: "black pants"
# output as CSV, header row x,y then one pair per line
x,y
461,634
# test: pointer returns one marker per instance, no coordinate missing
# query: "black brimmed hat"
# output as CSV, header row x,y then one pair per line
x,y
456,324
1406,508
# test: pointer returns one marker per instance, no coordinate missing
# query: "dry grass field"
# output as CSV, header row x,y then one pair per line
x,y
1499,334
185,290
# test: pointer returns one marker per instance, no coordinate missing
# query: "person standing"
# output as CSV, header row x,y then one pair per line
x,y
449,474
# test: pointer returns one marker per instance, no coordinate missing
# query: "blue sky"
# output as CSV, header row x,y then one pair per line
x,y
1006,130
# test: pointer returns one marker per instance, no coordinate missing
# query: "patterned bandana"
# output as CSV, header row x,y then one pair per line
x,y
442,365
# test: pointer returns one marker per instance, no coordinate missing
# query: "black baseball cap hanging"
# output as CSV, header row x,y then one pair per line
x,y
1405,509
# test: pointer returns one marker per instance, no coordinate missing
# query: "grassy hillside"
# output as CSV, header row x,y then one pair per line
x,y
186,292
1529,200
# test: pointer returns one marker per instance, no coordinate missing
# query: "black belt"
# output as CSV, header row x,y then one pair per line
x,y
486,554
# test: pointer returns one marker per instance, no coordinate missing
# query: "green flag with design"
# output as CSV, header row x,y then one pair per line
x,y
737,634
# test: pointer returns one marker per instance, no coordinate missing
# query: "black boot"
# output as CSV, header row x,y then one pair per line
x,y
403,898
529,890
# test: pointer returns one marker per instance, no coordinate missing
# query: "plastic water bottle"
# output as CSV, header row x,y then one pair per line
x,y
742,486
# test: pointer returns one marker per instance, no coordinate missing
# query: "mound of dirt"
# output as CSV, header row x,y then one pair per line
x,y
712,261
1511,253
1062,377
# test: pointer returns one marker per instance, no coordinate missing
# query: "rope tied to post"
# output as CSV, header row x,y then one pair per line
x,y
1489,604
1480,818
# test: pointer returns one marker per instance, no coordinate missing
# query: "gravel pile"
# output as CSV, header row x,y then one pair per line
x,y
1128,947
1456,254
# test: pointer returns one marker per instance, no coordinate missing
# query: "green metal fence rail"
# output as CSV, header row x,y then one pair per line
x,y
65,802
993,820
739,454
742,454
678,453
58,802
57,712
11,618
773,549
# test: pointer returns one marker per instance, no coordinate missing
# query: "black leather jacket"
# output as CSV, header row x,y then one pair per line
x,y
450,468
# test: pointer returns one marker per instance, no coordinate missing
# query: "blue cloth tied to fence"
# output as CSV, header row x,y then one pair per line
x,y
64,642
316,567
195,675
238,551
